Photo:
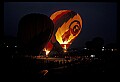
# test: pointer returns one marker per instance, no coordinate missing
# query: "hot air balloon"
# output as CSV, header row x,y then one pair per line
x,y
34,31
67,26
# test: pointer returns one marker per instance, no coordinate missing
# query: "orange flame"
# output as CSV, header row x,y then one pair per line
x,y
46,51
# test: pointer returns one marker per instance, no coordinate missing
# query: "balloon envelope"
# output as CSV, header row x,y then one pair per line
x,y
34,31
67,26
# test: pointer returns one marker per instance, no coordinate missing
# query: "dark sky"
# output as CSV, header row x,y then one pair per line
x,y
99,18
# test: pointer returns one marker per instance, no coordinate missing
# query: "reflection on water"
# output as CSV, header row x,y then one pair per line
x,y
43,72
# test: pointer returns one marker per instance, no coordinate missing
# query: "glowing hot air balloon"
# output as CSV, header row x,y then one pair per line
x,y
68,25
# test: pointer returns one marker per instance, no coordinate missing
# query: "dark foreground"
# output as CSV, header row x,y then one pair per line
x,y
27,69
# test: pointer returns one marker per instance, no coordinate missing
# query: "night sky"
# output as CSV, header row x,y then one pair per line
x,y
99,18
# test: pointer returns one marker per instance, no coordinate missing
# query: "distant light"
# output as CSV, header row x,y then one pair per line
x,y
103,47
85,48
44,72
15,46
115,49
92,56
4,43
6,46
112,49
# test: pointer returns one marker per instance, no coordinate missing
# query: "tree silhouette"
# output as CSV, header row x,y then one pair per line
x,y
89,44
96,43
95,46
